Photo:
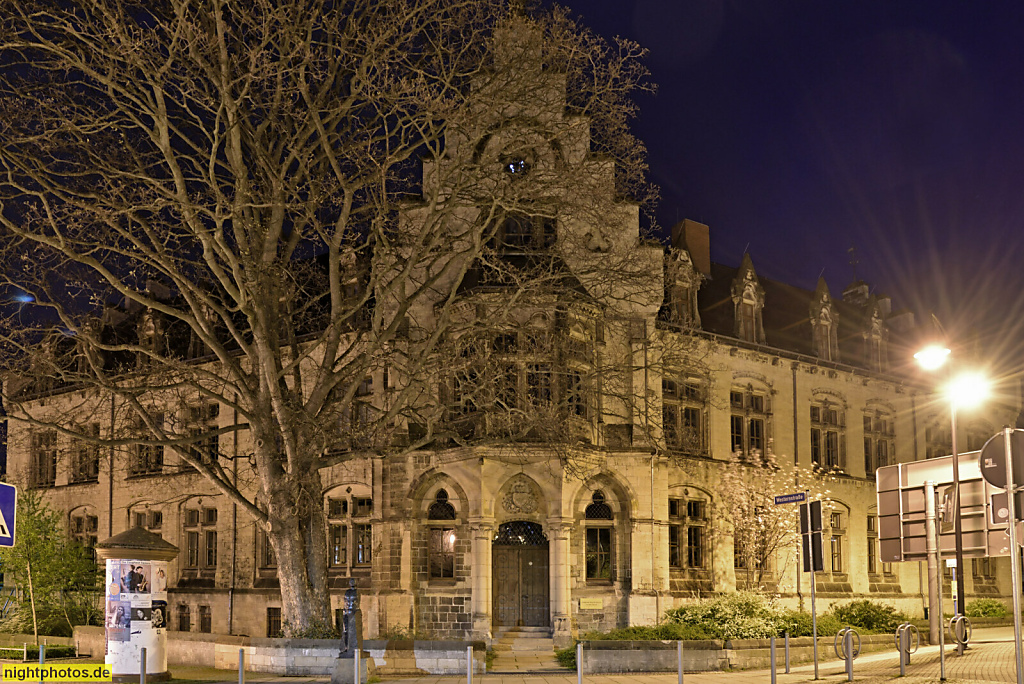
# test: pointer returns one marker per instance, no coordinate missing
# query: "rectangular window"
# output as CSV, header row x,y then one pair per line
x,y
696,509
192,545
538,383
736,432
363,544
86,465
156,520
675,555
674,510
695,546
683,416
338,546
872,555
209,516
273,623
205,620
211,549
191,517
756,434
816,446
337,507
362,508
140,520
599,553
441,553
832,449
266,551
184,618
837,553
575,397
44,459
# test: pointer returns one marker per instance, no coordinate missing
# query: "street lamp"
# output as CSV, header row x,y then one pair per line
x,y
964,391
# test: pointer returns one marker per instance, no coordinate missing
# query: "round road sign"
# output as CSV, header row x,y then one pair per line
x,y
992,460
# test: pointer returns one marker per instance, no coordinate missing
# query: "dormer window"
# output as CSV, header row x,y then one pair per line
x,y
824,326
748,302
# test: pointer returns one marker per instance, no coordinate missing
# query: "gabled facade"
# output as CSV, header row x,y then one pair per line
x,y
597,431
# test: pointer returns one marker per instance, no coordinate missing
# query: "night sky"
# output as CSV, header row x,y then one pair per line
x,y
798,129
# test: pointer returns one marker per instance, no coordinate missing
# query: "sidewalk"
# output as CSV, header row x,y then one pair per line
x,y
990,659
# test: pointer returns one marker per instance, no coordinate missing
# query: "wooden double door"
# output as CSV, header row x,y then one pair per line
x,y
519,573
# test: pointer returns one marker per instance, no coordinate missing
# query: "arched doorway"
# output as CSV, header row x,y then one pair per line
x,y
520,575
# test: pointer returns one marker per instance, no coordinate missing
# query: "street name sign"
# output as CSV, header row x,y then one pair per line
x,y
8,507
790,498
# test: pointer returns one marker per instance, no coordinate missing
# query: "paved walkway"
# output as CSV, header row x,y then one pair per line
x,y
990,659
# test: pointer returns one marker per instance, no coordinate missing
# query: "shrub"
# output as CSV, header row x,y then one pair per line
x,y
667,631
986,607
567,656
744,615
869,616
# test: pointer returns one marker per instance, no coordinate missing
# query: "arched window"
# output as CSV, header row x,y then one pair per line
x,y
441,509
599,536
441,545
598,509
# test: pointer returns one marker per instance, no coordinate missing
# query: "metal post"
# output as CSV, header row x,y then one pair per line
x,y
355,663
848,651
469,664
241,666
24,654
773,658
958,538
679,657
903,647
814,617
1011,529
42,661
787,651
934,588
579,663
942,627
142,666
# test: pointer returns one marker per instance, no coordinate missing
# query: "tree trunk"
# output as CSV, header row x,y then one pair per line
x,y
298,535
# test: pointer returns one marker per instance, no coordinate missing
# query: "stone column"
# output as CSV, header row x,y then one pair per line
x,y
136,603
482,536
561,593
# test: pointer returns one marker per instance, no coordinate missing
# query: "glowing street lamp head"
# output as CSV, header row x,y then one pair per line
x,y
968,390
933,356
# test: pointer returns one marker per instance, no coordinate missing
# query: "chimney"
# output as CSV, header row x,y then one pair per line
x,y
695,238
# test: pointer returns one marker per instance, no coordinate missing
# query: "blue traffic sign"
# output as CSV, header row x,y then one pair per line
x,y
791,498
8,506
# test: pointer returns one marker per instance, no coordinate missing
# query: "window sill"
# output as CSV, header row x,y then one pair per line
x,y
599,582
142,476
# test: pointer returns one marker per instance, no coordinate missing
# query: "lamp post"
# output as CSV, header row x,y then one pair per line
x,y
965,390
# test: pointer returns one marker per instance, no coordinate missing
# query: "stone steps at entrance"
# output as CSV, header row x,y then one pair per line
x,y
522,650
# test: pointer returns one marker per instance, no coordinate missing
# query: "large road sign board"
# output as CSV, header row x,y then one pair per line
x,y
901,510
8,507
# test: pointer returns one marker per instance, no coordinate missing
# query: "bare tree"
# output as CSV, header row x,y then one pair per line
x,y
216,207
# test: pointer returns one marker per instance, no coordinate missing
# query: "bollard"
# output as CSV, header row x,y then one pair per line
x,y
579,663
42,661
679,659
787,652
355,663
469,664
24,652
848,651
904,648
772,651
241,666
142,667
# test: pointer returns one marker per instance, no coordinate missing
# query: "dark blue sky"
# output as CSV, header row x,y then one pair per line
x,y
800,128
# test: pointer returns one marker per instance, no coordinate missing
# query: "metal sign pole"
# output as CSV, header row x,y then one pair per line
x,y
814,621
1011,530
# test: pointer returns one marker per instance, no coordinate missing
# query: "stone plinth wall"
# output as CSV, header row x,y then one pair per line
x,y
401,657
652,656
704,656
302,656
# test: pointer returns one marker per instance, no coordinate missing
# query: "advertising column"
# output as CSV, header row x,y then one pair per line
x,y
136,603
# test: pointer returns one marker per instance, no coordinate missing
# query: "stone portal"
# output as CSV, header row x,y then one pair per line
x,y
520,576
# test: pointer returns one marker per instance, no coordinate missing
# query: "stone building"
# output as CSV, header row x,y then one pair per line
x,y
647,390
